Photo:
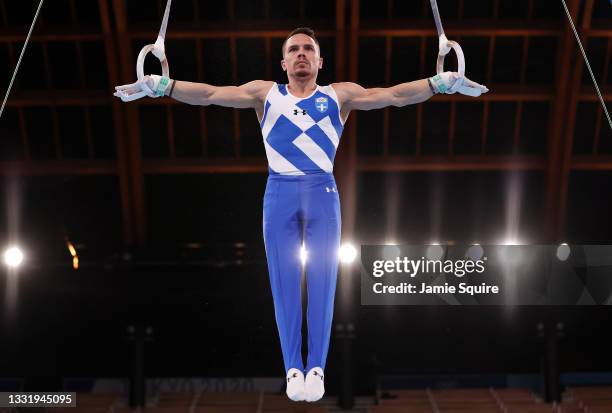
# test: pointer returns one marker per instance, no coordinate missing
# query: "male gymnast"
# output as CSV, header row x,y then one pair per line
x,y
301,124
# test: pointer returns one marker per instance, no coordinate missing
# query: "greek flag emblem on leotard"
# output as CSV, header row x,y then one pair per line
x,y
321,104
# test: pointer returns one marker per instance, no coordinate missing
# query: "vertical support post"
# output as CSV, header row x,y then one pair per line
x,y
133,149
561,129
127,215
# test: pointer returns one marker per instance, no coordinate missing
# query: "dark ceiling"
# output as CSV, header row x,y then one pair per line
x,y
112,175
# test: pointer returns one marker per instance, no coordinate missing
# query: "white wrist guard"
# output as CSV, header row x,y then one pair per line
x,y
452,82
445,82
156,86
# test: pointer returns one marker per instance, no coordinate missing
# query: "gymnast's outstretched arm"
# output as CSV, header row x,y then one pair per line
x,y
355,97
248,95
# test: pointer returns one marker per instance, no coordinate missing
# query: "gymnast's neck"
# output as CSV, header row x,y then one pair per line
x,y
302,86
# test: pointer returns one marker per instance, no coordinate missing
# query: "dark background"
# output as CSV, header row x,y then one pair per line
x,y
163,201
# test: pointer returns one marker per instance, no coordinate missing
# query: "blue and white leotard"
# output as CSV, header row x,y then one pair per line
x,y
302,207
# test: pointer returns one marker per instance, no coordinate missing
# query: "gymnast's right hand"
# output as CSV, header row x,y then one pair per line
x,y
152,85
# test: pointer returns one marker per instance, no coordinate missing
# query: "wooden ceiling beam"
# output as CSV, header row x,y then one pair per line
x,y
58,167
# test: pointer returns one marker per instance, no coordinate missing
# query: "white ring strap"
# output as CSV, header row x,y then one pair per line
x,y
157,49
436,15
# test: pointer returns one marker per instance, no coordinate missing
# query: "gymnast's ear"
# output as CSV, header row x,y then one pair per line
x,y
320,63
283,65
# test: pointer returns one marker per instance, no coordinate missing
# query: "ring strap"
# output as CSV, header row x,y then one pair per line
x,y
164,25
436,15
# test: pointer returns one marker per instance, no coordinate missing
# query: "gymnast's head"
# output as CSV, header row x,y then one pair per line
x,y
301,54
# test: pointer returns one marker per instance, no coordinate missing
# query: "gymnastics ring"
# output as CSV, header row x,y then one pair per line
x,y
155,49
460,59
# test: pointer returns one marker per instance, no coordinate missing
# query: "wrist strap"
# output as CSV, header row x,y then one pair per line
x,y
172,88
431,86
162,86
438,84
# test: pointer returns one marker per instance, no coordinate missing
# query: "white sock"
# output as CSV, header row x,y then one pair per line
x,y
315,388
295,385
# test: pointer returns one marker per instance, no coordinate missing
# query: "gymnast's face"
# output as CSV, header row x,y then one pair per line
x,y
301,58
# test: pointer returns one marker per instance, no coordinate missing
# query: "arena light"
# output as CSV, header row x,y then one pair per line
x,y
347,253
563,252
13,257
303,254
73,253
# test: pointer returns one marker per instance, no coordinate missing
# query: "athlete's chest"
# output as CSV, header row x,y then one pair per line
x,y
307,111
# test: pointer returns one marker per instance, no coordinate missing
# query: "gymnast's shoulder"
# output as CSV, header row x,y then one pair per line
x,y
257,88
348,89
350,93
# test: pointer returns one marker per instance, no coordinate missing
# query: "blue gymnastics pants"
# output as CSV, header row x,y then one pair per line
x,y
302,210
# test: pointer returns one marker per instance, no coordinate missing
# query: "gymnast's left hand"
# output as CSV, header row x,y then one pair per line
x,y
470,88
453,82
151,85
133,91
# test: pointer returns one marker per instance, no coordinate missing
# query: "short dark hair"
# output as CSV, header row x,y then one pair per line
x,y
301,30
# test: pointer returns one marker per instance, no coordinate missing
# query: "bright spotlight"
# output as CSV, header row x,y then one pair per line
x,y
347,253
13,257
303,254
563,252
